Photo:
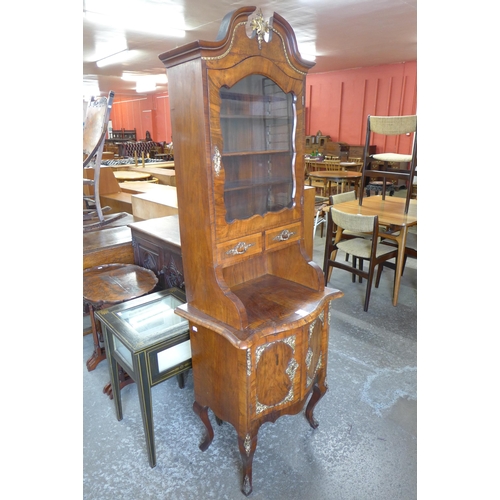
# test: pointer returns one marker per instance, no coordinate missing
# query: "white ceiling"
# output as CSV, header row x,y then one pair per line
x,y
343,34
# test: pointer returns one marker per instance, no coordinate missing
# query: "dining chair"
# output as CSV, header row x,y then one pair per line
x,y
332,165
331,230
387,167
369,250
410,251
320,209
94,136
319,185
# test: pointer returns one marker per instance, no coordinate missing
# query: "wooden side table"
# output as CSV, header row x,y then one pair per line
x,y
107,285
128,175
151,342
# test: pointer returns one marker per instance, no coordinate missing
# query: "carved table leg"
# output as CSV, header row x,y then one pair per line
x,y
317,394
124,380
202,412
99,352
247,446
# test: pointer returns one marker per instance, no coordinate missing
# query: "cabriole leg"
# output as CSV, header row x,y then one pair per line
x,y
247,445
202,412
317,394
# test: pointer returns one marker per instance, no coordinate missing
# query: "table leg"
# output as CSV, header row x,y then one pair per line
x,y
145,400
99,352
401,240
124,379
113,375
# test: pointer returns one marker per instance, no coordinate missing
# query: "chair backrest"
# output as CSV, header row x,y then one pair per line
x,y
332,165
335,199
392,125
95,126
354,222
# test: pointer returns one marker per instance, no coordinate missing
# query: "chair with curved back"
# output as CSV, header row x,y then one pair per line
x,y
389,166
94,135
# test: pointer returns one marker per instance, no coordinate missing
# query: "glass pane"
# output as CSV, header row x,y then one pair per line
x,y
257,120
174,356
124,352
154,319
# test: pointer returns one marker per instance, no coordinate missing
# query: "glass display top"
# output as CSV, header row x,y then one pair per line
x,y
151,321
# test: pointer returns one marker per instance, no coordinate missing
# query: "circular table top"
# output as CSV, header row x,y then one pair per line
x,y
335,174
128,175
350,164
111,284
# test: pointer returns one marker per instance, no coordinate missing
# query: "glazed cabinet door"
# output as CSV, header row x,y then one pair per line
x,y
253,145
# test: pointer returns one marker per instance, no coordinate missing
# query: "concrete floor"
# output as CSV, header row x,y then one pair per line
x,y
364,448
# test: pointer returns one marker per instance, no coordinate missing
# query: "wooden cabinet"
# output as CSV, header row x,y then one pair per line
x,y
156,246
359,151
256,303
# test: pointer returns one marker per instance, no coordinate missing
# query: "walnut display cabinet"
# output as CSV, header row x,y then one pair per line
x,y
257,306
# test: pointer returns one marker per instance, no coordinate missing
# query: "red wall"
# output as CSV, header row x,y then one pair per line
x,y
337,104
150,113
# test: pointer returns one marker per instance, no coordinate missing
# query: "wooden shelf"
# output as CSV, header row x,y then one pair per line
x,y
254,153
242,185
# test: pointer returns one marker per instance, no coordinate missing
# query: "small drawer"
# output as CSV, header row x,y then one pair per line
x,y
235,250
276,238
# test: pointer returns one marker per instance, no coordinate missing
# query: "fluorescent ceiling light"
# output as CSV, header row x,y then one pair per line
x,y
307,50
143,87
119,57
90,87
129,76
308,57
145,84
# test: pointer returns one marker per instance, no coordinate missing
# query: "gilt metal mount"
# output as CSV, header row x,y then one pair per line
x,y
260,26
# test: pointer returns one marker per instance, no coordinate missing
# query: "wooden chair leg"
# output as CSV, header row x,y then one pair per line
x,y
379,273
368,287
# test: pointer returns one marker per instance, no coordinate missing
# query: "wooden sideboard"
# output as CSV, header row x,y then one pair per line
x,y
157,246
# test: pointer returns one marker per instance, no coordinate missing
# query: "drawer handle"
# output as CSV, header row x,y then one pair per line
x,y
240,248
284,235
